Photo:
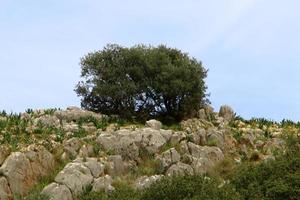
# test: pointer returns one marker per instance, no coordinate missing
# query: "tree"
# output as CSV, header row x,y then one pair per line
x,y
142,81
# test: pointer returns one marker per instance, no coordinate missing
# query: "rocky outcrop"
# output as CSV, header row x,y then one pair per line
x,y
23,169
57,191
97,157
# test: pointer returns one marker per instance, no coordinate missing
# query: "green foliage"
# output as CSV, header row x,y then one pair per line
x,y
142,81
278,179
187,188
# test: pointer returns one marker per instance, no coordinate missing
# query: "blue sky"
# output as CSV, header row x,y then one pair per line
x,y
251,48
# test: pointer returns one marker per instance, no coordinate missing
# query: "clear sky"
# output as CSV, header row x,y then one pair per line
x,y
251,48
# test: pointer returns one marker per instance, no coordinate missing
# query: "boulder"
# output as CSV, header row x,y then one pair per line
x,y
103,184
145,181
71,147
5,192
86,151
179,169
167,158
17,169
215,138
76,176
4,152
226,112
74,114
57,191
48,120
115,165
214,154
96,167
154,124
152,140
41,160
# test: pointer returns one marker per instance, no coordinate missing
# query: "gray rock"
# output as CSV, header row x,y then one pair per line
x,y
179,169
226,112
153,124
215,138
72,146
56,191
76,176
96,167
116,165
5,192
146,181
167,134
103,184
41,160
17,169
212,153
4,152
152,140
167,158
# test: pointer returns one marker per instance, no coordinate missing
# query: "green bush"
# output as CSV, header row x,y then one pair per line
x,y
278,179
142,81
187,188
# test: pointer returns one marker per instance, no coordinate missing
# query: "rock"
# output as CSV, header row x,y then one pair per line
x,y
145,181
203,157
56,191
226,112
116,166
215,138
273,145
86,151
4,152
5,192
201,165
96,167
152,140
74,114
179,169
17,169
154,124
108,141
177,137
199,137
167,134
48,120
41,160
76,176
72,146
103,184
248,139
214,154
167,158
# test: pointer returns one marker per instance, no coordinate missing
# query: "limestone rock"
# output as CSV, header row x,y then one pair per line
x,y
226,112
5,192
72,146
76,176
17,169
152,140
96,167
153,124
179,169
103,184
116,165
145,181
56,191
41,160
168,158
4,152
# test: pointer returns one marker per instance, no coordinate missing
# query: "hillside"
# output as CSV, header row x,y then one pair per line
x,y
77,154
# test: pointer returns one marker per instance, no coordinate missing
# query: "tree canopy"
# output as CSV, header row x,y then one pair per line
x,y
142,81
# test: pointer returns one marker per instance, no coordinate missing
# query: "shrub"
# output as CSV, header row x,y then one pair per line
x,y
142,81
189,187
278,179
